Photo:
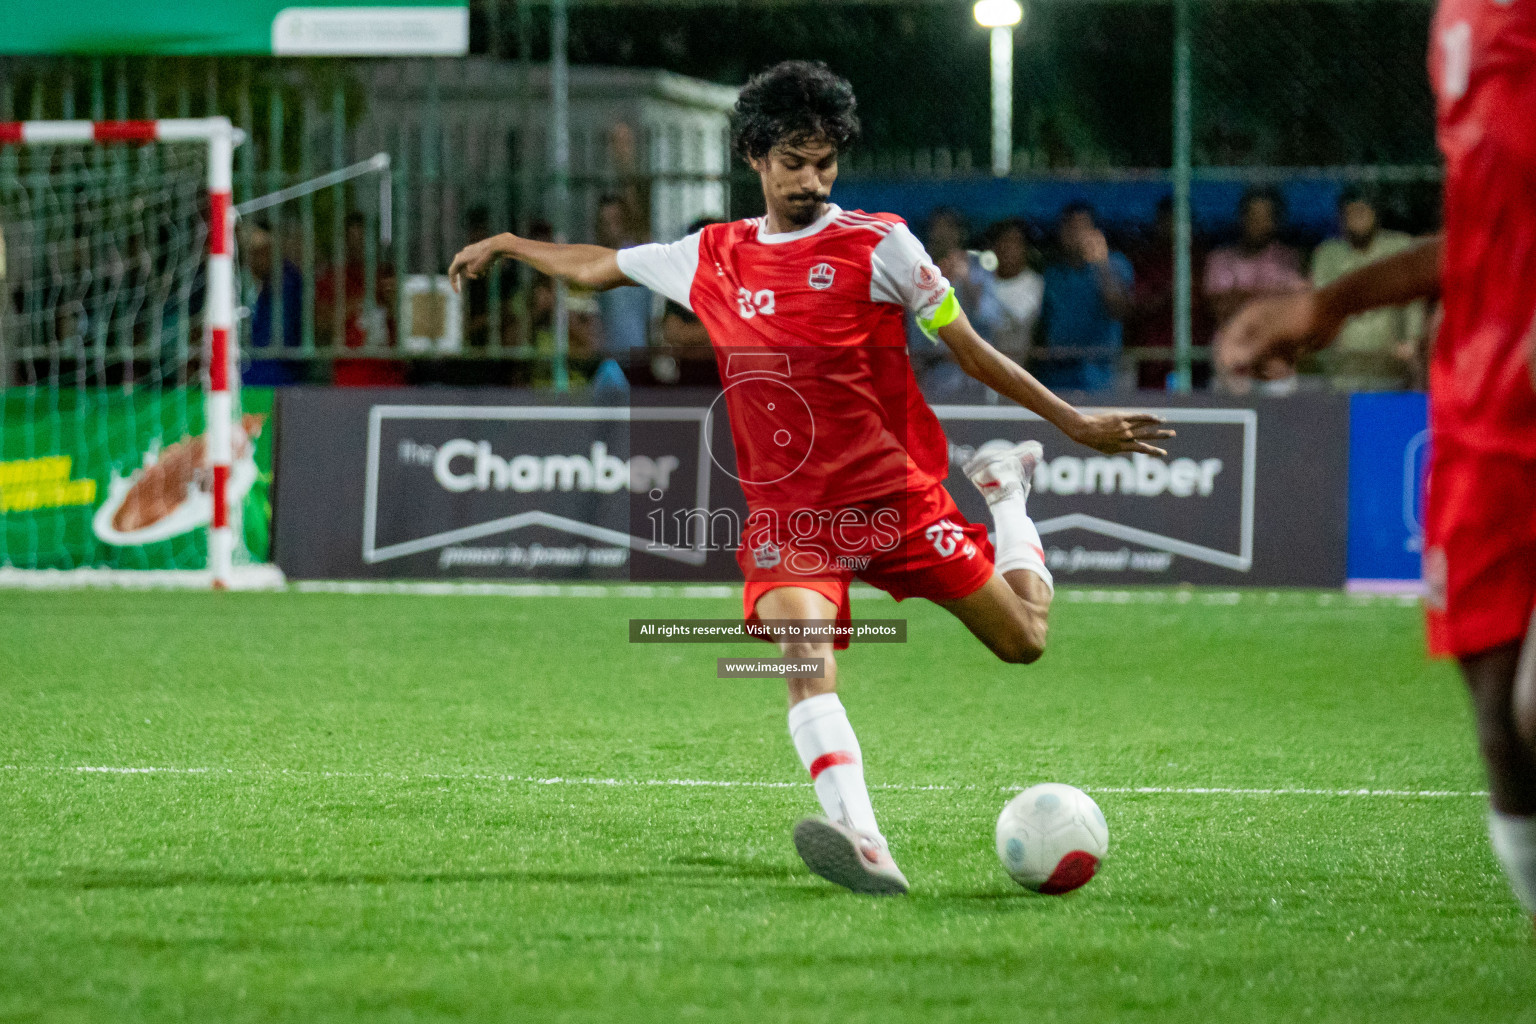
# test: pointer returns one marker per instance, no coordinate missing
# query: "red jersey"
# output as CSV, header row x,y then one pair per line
x,y
1482,64
809,331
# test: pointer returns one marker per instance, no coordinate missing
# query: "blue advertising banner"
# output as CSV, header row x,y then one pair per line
x,y
1388,457
1312,204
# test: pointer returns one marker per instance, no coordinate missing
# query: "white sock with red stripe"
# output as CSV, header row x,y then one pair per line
x,y
1514,841
830,752
1016,540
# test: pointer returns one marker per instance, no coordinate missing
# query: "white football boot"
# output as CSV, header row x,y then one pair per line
x,y
848,858
999,469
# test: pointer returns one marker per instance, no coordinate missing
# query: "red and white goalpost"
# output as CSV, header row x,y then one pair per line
x,y
216,138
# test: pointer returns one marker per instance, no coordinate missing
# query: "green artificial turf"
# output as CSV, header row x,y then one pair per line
x,y
372,831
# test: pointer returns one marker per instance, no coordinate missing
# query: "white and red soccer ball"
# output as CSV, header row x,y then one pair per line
x,y
1051,838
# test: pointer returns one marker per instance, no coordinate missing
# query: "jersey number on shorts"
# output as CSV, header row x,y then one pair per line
x,y
945,535
749,304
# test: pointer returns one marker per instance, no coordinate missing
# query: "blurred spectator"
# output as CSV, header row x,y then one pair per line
x,y
626,311
685,339
682,329
1379,350
533,309
359,328
1259,264
1087,295
944,231
583,332
483,326
1150,324
258,251
623,219
945,235
1017,290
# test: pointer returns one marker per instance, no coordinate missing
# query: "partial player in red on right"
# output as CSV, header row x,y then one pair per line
x,y
1480,529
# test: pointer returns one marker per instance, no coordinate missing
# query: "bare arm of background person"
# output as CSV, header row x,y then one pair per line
x,y
1290,326
590,266
1110,432
1113,291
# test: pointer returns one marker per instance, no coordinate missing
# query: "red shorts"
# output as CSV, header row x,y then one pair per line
x,y
914,545
1479,550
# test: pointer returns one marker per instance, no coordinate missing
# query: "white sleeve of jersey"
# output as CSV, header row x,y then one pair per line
x,y
666,268
901,272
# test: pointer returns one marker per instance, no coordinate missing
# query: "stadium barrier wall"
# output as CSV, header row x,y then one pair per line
x,y
496,484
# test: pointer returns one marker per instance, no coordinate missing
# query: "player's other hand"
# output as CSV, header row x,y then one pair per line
x,y
474,260
1114,433
1272,331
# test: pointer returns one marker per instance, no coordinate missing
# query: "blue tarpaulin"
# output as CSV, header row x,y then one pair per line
x,y
1311,203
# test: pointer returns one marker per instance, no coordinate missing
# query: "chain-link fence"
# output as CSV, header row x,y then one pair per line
x,y
1310,99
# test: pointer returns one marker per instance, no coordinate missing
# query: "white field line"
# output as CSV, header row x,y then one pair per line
x,y
533,780
267,578
460,589
1070,595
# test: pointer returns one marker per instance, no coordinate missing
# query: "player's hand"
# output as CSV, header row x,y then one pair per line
x,y
473,260
1116,432
1272,331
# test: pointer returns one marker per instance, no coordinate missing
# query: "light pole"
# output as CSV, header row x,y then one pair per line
x,y
1001,16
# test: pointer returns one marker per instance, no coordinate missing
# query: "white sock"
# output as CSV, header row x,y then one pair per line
x,y
1016,540
830,752
1514,841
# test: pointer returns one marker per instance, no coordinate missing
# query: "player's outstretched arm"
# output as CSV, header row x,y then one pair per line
x,y
1110,432
1291,326
590,266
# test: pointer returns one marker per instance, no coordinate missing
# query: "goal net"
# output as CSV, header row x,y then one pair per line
x,y
126,452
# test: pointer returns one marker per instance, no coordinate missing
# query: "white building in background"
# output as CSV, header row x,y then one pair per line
x,y
492,145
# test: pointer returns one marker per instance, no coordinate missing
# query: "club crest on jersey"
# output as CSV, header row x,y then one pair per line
x,y
766,555
821,276
925,276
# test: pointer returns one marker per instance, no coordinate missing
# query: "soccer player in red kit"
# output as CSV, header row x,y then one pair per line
x,y
841,460
1480,528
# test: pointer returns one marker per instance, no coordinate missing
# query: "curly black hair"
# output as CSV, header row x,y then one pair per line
x,y
794,102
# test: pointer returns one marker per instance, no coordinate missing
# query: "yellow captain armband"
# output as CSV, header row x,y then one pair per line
x,y
945,315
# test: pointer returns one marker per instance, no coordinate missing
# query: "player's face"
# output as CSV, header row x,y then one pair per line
x,y
797,179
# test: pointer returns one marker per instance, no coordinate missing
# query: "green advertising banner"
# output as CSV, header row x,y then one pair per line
x,y
107,479
338,28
